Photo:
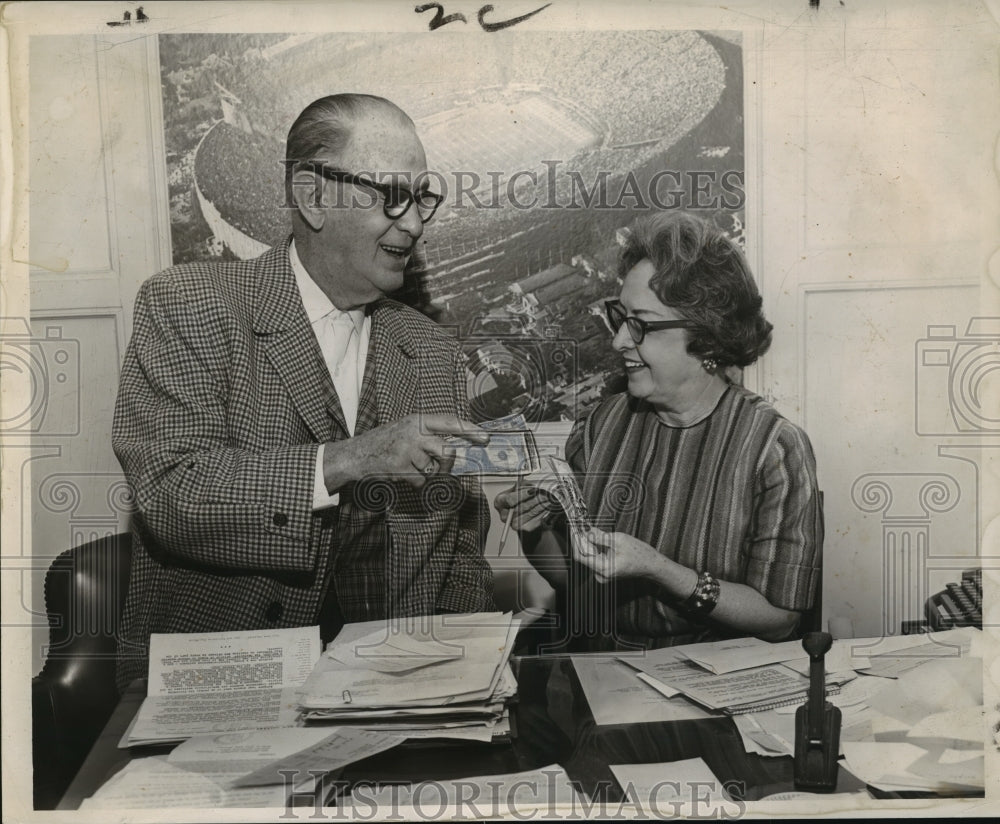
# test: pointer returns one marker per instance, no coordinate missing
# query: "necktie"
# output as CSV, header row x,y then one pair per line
x,y
341,354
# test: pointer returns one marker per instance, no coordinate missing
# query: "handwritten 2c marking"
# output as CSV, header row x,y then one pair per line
x,y
441,19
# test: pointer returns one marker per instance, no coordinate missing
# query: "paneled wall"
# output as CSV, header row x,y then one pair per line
x,y
97,228
878,205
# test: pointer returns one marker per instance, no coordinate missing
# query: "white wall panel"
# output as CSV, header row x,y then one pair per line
x,y
864,388
69,234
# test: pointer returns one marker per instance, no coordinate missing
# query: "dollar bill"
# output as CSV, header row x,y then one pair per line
x,y
510,451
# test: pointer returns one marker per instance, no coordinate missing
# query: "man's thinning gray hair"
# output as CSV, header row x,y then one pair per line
x,y
325,126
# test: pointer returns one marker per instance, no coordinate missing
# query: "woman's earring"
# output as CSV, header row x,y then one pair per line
x,y
710,365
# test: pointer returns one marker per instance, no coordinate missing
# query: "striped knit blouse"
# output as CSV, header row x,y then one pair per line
x,y
734,494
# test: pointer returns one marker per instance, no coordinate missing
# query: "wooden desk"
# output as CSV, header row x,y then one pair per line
x,y
553,725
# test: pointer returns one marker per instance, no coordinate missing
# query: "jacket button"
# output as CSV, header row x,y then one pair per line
x,y
279,519
275,611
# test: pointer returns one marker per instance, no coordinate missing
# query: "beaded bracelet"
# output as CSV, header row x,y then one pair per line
x,y
705,596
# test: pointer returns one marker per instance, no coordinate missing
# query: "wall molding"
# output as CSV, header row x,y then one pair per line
x,y
114,313
159,186
755,376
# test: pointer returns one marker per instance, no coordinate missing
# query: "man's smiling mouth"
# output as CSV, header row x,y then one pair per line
x,y
395,251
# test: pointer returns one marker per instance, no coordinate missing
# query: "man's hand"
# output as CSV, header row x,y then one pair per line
x,y
411,448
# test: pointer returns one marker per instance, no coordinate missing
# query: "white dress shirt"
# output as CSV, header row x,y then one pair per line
x,y
343,340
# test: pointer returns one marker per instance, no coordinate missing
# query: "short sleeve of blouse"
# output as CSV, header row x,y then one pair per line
x,y
784,547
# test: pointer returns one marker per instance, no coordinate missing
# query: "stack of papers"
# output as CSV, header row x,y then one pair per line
x,y
913,720
728,676
432,676
222,682
616,696
752,690
155,784
254,768
737,654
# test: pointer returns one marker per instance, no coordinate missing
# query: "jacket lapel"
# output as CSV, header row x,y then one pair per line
x,y
288,341
390,386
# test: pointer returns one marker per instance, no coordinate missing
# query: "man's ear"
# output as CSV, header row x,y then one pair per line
x,y
307,195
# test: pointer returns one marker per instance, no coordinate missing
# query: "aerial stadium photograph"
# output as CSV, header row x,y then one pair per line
x,y
544,156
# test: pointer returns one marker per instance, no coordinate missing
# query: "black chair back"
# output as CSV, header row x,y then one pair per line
x,y
74,694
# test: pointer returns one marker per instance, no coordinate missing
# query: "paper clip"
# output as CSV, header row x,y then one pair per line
x,y
347,696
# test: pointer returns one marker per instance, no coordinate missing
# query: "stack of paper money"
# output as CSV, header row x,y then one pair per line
x,y
511,450
557,478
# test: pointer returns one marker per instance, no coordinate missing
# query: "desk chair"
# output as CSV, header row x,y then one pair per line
x,y
74,694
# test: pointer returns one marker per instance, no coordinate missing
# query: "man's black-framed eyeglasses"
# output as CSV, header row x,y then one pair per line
x,y
396,199
637,327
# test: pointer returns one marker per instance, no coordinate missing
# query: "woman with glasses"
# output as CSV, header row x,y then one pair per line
x,y
705,514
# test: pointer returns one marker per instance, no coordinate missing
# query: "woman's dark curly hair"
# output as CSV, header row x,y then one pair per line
x,y
703,275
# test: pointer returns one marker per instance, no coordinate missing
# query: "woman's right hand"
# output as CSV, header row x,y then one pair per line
x,y
526,506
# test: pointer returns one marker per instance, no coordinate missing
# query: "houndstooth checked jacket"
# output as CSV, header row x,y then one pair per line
x,y
222,401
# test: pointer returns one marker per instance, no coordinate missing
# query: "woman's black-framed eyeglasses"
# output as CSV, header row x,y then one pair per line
x,y
637,327
396,200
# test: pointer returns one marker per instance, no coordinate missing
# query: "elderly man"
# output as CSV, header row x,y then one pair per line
x,y
280,420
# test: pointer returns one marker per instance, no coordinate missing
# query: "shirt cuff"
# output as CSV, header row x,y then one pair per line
x,y
321,498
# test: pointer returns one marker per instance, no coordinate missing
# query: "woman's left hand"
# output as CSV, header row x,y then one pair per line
x,y
614,554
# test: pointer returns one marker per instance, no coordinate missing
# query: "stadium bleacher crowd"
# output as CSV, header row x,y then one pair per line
x,y
241,175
